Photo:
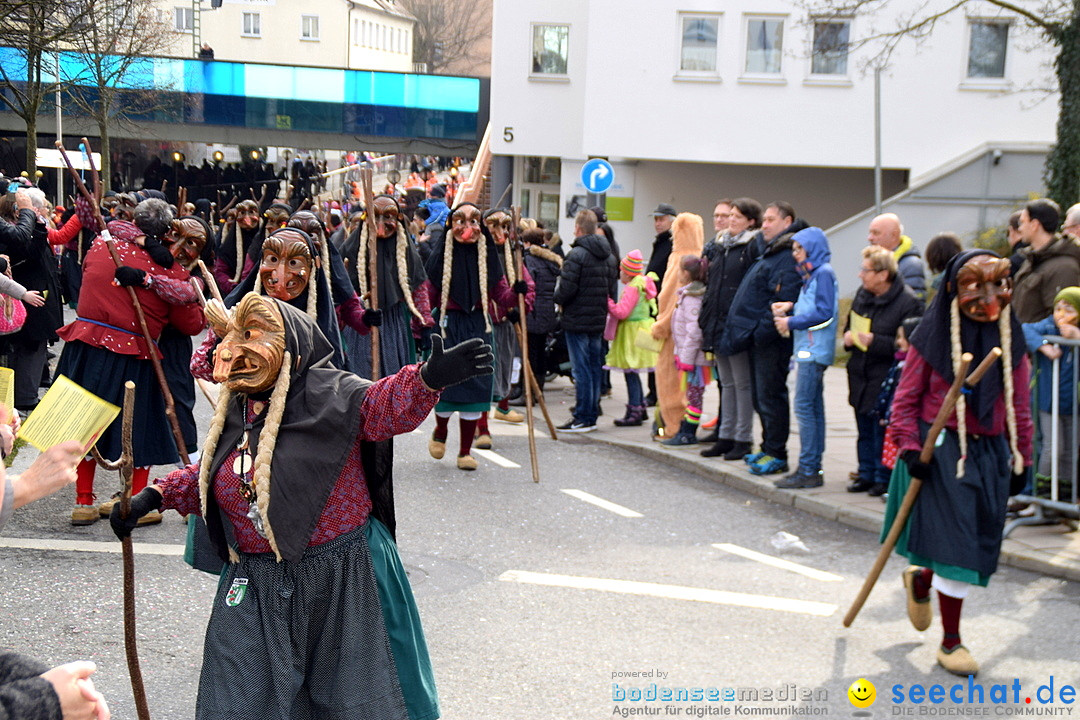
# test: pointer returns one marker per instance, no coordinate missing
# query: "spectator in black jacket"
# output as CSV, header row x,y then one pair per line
x,y
588,279
730,256
773,278
886,301
544,266
663,216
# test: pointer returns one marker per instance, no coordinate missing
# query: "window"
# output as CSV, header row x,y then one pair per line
x,y
309,27
549,49
405,48
764,45
699,43
252,25
986,49
184,19
831,42
355,32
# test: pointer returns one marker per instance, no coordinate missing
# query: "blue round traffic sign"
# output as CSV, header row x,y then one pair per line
x,y
597,175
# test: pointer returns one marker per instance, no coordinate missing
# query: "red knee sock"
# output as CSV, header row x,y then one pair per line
x,y
139,479
468,427
922,581
950,619
504,405
482,424
84,482
441,424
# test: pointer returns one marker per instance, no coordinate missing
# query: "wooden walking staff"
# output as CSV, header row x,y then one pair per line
x,y
523,340
366,177
170,407
126,466
925,455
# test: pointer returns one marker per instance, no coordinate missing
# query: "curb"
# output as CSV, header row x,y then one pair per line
x,y
1038,561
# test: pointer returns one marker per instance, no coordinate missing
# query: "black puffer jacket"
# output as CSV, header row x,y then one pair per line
x,y
729,259
589,277
867,370
33,265
544,266
661,250
773,278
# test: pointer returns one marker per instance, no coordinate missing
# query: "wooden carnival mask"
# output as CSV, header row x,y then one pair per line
x,y
249,357
286,264
276,217
465,224
247,214
498,224
387,215
983,287
186,240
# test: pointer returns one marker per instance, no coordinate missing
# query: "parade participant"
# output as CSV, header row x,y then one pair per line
x,y
314,616
104,346
234,254
464,272
953,535
404,304
276,217
504,322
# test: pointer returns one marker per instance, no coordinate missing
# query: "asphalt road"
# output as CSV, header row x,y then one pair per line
x,y
513,580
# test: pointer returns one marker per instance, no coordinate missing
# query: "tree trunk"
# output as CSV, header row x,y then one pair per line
x,y
106,155
31,146
1063,162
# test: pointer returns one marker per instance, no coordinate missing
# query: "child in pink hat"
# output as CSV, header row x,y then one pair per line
x,y
627,319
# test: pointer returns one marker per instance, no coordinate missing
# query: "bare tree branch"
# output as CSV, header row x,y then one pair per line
x,y
450,32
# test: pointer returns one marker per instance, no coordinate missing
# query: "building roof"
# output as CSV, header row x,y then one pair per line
x,y
387,6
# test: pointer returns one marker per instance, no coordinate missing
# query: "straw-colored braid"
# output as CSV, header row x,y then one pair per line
x,y
482,271
961,400
402,249
324,255
313,294
511,269
238,236
258,284
267,441
213,436
361,262
447,271
1005,330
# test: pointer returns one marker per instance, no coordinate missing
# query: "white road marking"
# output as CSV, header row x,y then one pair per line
x,y
89,546
496,458
777,562
601,502
674,592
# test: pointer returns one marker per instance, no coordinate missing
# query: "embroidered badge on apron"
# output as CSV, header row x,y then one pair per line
x,y
237,592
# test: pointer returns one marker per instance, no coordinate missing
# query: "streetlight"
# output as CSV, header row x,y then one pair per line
x,y
218,156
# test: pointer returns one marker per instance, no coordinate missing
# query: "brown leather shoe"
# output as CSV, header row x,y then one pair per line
x,y
958,661
919,610
85,515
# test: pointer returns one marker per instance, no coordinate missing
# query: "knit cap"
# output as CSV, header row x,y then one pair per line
x,y
1070,295
633,263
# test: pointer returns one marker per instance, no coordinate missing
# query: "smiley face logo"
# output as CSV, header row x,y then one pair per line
x,y
862,693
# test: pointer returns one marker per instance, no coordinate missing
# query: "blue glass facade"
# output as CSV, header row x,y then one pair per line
x,y
355,102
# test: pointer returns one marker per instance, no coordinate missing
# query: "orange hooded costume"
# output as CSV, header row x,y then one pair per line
x,y
687,238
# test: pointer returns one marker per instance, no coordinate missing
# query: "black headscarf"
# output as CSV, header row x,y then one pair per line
x,y
465,280
933,340
386,262
319,427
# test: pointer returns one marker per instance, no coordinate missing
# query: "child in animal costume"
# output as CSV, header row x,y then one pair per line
x,y
953,535
628,317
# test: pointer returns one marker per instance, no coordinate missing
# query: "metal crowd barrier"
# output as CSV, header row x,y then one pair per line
x,y
1056,507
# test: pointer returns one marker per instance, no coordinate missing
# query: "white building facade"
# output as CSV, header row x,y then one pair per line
x,y
353,34
698,100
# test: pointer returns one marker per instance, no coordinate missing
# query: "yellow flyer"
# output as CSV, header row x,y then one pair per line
x,y
7,388
67,412
858,324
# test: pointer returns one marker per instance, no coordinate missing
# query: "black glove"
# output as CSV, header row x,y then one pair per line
x,y
130,277
521,287
916,467
423,343
158,252
463,361
372,317
513,315
146,501
1018,482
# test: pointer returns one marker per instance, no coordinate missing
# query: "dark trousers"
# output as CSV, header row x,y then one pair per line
x,y
769,365
587,361
868,448
28,359
537,357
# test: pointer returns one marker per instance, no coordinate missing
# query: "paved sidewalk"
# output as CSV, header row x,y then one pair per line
x,y
1049,549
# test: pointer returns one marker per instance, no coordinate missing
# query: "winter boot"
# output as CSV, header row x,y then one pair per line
x,y
635,415
738,451
687,435
720,447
